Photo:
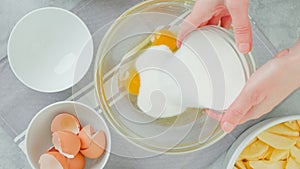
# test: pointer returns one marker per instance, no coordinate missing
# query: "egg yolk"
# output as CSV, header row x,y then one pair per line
x,y
165,37
133,82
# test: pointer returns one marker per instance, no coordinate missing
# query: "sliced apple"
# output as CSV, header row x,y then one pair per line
x,y
246,163
254,151
298,121
276,141
295,152
240,165
253,140
292,125
267,164
278,155
282,129
297,139
298,144
292,164
268,154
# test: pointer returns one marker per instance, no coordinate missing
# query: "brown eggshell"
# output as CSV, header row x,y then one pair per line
x,y
65,122
97,146
77,162
51,149
85,136
53,160
100,139
67,143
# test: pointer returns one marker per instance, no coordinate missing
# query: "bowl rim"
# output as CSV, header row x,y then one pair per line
x,y
40,112
39,89
250,134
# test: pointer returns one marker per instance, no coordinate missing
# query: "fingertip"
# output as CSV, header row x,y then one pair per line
x,y
227,127
215,115
188,25
282,53
244,47
241,24
180,37
183,32
178,43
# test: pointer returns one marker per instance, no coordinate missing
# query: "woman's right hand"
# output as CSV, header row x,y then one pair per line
x,y
265,89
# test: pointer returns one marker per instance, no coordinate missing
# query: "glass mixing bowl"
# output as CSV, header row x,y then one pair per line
x,y
115,56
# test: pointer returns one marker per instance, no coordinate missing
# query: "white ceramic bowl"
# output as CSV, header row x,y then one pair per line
x,y
245,138
39,136
50,49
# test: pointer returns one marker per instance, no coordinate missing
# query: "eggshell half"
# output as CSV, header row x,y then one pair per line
x,y
65,122
51,149
53,160
85,136
77,162
67,143
97,146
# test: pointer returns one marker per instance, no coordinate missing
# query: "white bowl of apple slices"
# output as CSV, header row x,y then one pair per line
x,y
270,144
67,135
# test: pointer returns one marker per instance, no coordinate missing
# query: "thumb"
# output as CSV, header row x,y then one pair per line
x,y
238,10
240,107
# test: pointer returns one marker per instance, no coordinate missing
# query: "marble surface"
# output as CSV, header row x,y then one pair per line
x,y
279,20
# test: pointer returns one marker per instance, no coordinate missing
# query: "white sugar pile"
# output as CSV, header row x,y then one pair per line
x,y
205,72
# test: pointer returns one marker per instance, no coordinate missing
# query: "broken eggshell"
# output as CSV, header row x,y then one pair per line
x,y
39,133
53,160
77,162
67,143
85,136
65,122
92,144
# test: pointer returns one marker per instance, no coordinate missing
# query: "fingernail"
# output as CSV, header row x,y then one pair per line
x,y
214,114
178,44
244,47
227,127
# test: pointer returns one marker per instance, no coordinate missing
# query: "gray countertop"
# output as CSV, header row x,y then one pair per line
x,y
279,20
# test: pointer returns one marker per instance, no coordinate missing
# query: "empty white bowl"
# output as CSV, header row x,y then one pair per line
x,y
245,138
50,49
39,135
